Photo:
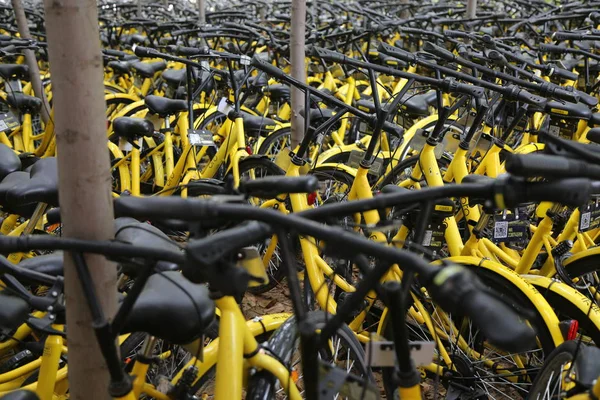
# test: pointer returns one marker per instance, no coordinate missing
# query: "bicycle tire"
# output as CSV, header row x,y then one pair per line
x,y
266,146
553,368
285,342
343,178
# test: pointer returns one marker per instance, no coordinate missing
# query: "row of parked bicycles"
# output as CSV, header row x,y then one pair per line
x,y
435,229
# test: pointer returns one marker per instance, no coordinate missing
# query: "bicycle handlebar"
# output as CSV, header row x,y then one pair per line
x,y
272,186
553,48
550,166
562,73
188,51
468,297
574,36
447,85
457,290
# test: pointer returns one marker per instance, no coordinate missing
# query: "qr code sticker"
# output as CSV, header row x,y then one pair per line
x,y
554,130
585,220
3,126
427,238
501,229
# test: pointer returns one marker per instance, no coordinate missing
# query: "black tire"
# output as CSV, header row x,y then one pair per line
x,y
546,385
334,184
285,344
216,118
277,140
586,271
115,105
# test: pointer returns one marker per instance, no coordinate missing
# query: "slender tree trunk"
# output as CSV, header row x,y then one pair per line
x,y
139,8
201,4
297,59
30,59
471,8
84,178
404,13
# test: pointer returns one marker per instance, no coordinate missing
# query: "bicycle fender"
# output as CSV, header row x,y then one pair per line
x,y
529,290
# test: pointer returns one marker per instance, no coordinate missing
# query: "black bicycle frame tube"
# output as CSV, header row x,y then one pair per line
x,y
120,383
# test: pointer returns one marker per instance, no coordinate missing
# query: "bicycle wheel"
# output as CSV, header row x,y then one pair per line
x,y
334,184
343,351
558,378
275,142
477,368
583,269
168,359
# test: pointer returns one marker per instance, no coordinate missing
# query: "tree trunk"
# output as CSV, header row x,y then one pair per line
x,y
201,11
471,8
84,178
30,59
297,59
139,8
404,13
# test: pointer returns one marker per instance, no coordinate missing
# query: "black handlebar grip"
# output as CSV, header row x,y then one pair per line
x,y
18,42
396,52
328,55
267,67
439,51
459,291
567,36
8,49
510,191
567,95
551,48
114,53
452,86
563,73
188,51
593,135
162,208
587,99
549,166
530,98
455,34
272,186
144,51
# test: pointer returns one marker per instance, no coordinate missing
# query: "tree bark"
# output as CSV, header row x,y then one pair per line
x,y
30,59
471,8
84,178
404,13
201,4
298,67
